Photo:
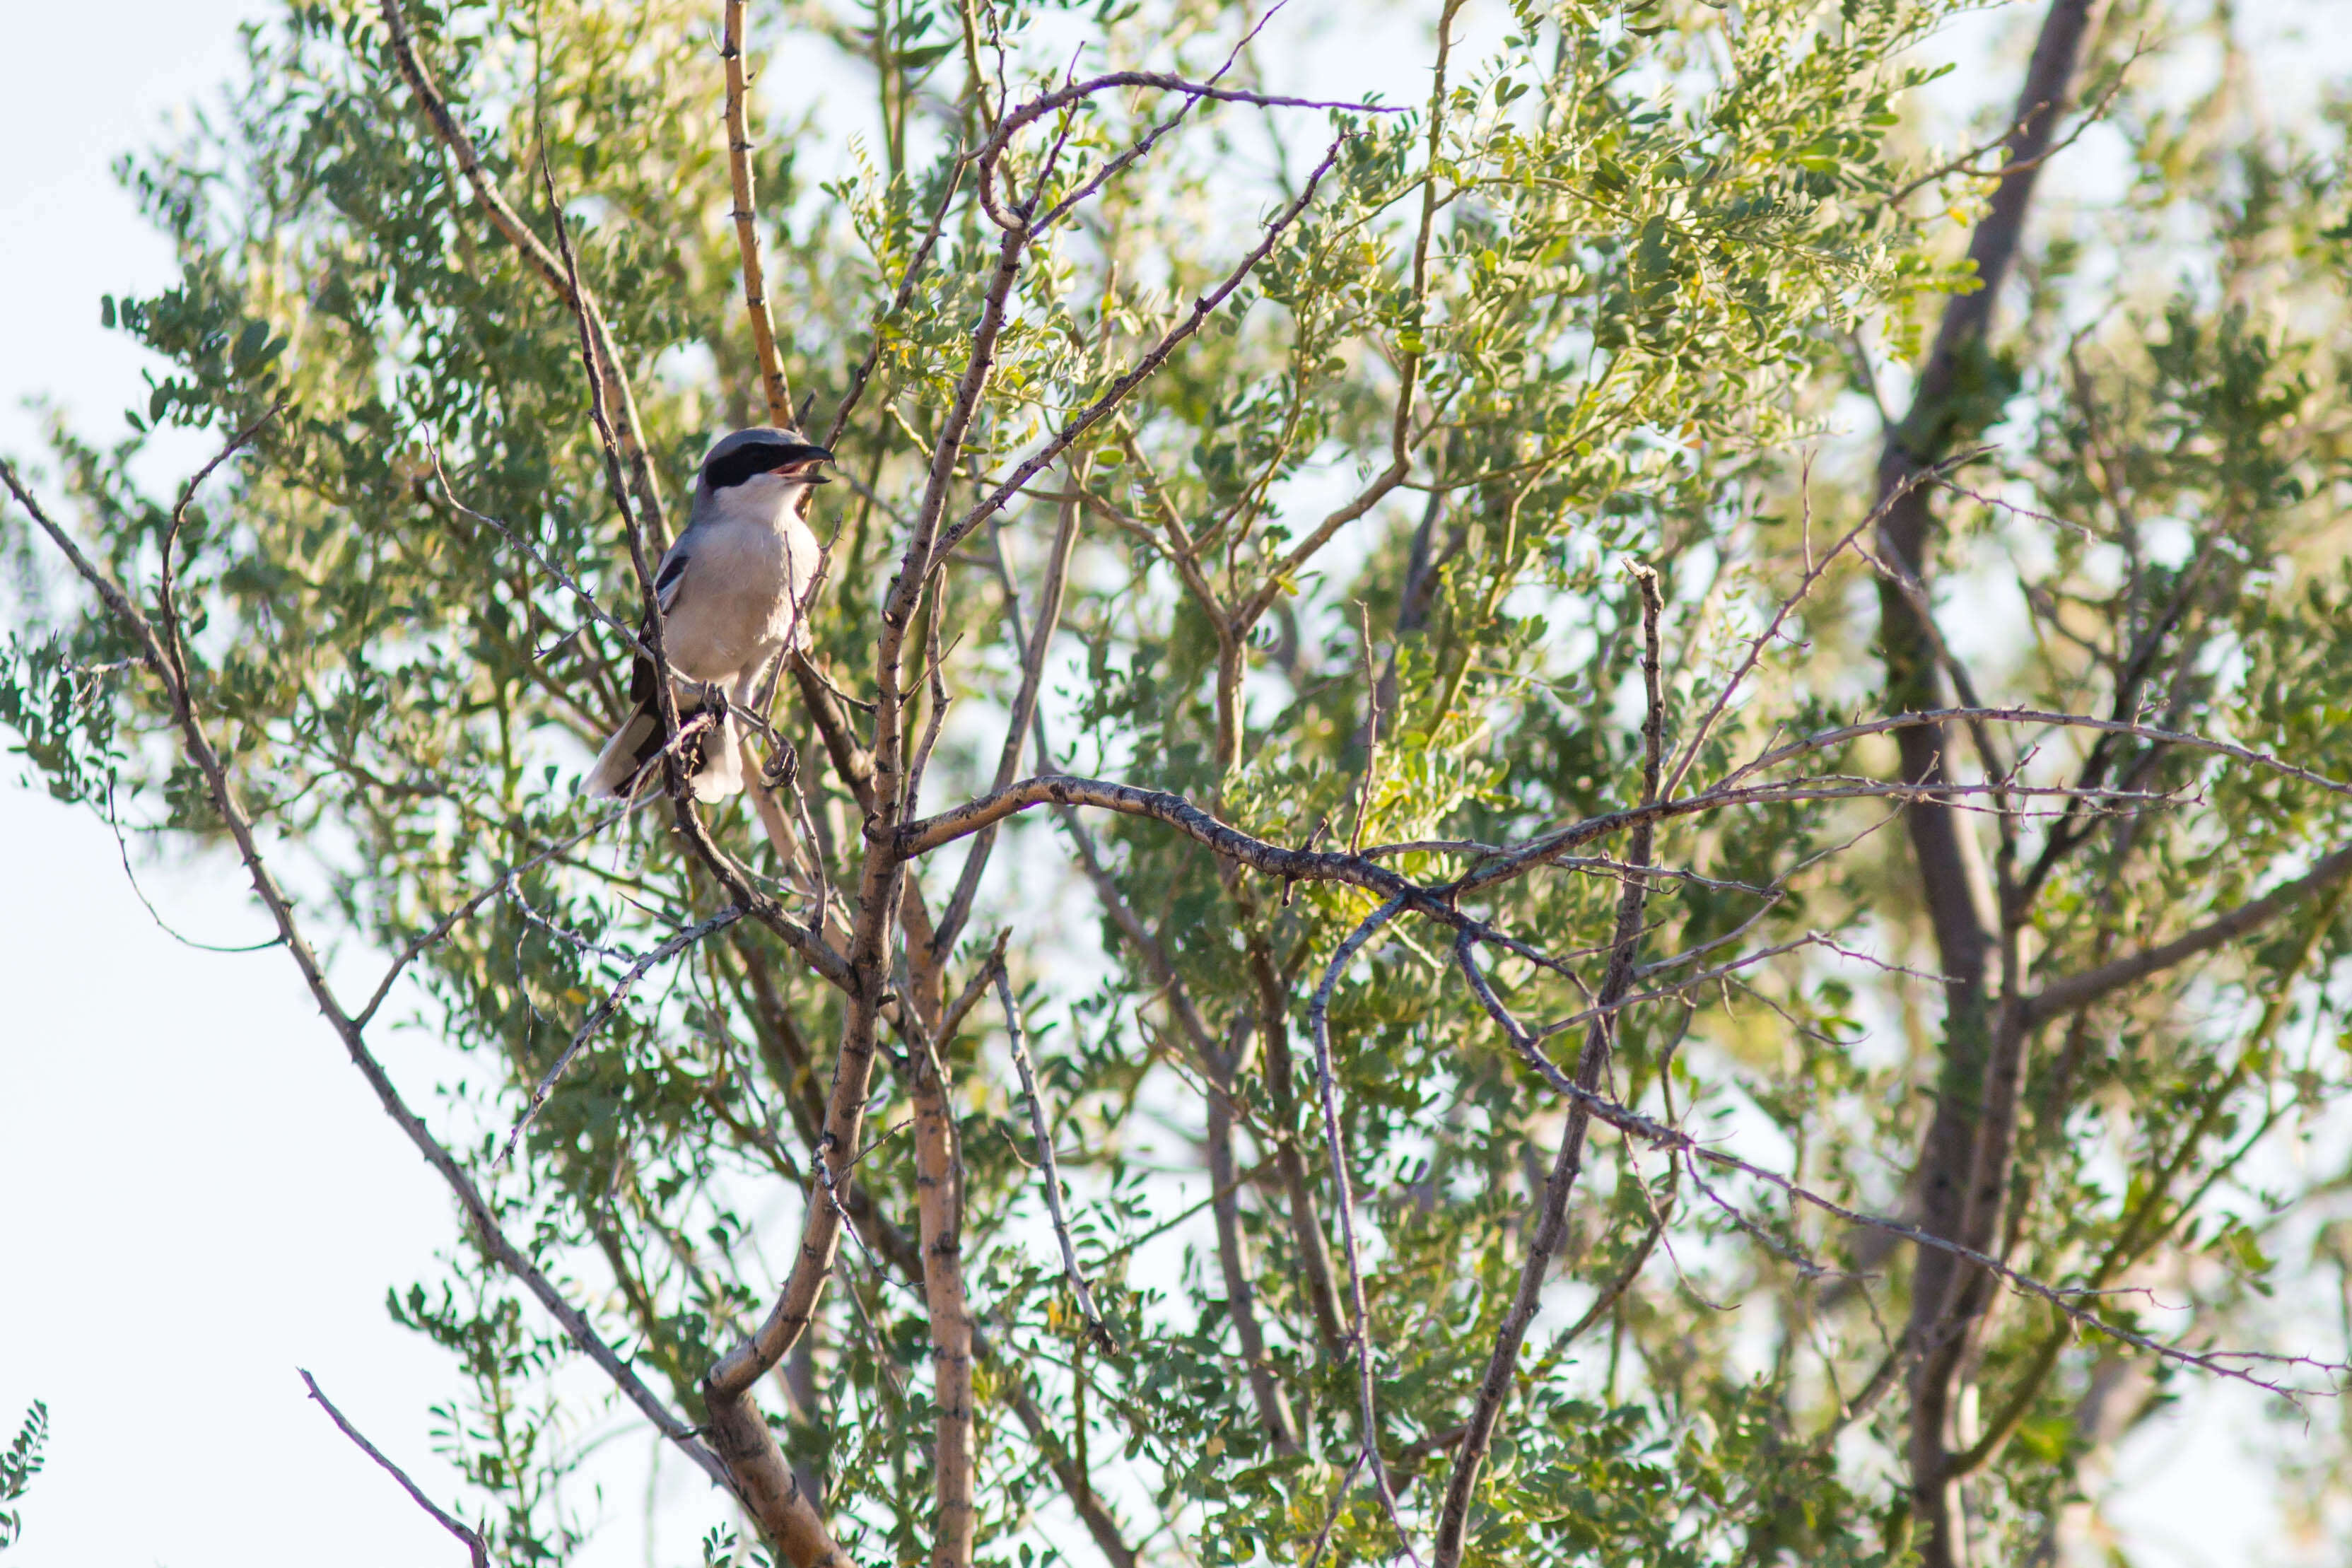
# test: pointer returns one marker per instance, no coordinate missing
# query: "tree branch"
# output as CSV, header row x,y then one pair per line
x,y
1592,1064
231,811
2076,992
447,1520
778,391
1043,1137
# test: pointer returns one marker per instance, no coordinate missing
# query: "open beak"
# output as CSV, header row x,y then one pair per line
x,y
808,468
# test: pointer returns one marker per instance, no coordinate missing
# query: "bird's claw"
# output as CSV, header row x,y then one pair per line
x,y
783,762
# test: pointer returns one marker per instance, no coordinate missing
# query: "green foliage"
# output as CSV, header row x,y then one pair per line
x,y
1611,293
18,1465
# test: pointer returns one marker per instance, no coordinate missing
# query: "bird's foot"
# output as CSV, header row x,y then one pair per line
x,y
784,761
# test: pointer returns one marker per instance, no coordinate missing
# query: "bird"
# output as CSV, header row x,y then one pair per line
x,y
734,593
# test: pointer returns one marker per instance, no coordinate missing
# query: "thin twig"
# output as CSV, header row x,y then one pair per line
x,y
447,1520
1045,1142
1318,1018
601,1012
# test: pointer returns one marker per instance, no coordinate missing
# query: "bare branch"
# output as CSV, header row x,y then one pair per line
x,y
1045,1143
746,213
450,1522
1142,148
1318,1020
1756,647
2079,990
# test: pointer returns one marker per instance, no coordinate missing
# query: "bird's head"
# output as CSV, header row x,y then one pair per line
x,y
762,463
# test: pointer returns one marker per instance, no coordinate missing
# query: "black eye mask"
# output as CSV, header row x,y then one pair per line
x,y
731,469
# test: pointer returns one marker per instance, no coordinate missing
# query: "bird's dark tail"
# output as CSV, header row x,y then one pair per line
x,y
629,763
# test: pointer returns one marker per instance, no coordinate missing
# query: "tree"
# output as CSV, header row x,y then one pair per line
x,y
1400,559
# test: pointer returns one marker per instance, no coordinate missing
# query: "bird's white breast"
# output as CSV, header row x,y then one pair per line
x,y
751,560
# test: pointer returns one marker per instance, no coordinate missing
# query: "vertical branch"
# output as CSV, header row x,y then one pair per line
x,y
939,1184
1043,1136
1233,1259
1306,1225
779,392
1949,879
739,1433
1599,1038
1318,1016
1371,778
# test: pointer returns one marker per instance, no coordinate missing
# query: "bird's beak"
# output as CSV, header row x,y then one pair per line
x,y
805,468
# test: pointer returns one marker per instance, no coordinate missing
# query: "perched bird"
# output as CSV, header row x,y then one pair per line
x,y
733,592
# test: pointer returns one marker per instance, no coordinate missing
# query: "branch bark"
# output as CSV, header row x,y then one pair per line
x,y
1592,1064
1955,373
772,385
442,1517
939,1186
2079,990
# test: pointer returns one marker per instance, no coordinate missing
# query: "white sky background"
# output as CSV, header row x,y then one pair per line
x,y
197,1193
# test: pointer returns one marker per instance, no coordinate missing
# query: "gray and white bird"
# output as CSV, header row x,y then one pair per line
x,y
734,593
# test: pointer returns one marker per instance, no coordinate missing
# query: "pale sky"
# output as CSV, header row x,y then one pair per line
x,y
199,1194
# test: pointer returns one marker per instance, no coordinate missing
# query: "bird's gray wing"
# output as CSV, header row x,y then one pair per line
x,y
669,583
671,578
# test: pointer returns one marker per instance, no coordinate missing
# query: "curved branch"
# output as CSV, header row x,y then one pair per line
x,y
2076,992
